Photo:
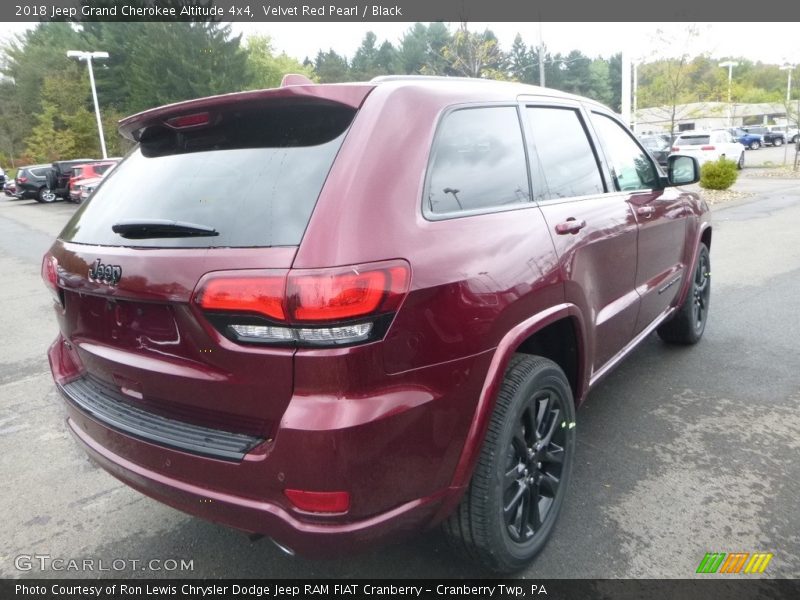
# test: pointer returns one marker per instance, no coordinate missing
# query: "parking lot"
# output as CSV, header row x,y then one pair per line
x,y
681,451
770,156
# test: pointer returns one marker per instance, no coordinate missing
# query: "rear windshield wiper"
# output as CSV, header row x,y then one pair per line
x,y
140,229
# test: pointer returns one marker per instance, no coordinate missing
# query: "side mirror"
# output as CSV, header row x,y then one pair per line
x,y
682,170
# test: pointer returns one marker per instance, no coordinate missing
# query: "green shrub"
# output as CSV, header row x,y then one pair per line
x,y
718,175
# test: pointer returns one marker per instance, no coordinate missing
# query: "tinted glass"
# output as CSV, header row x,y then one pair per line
x,y
692,140
478,161
632,168
254,177
655,143
566,157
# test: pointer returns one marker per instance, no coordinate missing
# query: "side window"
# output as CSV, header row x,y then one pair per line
x,y
566,158
478,161
633,169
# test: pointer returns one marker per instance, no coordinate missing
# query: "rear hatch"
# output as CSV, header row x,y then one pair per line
x,y
692,145
215,185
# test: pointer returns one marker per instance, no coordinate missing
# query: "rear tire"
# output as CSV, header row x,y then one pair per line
x,y
755,145
740,164
689,323
513,500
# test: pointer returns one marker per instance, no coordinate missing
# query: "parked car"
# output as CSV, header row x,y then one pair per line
x,y
81,174
86,188
752,141
771,136
10,188
391,323
658,145
31,182
59,175
792,134
2,177
708,146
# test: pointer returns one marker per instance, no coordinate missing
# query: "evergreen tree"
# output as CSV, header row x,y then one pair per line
x,y
266,68
331,68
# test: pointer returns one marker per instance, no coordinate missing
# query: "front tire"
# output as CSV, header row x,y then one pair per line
x,y
511,506
689,323
777,142
740,164
46,195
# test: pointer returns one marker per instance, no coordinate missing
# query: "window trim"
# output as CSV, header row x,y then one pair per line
x,y
427,211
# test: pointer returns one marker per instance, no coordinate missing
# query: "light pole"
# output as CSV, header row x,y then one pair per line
x,y
729,64
88,56
789,69
541,56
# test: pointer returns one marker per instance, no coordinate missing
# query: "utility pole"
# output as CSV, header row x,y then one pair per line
x,y
541,56
626,88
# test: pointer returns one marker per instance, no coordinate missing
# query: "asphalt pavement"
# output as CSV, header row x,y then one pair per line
x,y
681,451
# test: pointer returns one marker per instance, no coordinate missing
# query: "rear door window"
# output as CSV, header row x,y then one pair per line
x,y
254,176
478,162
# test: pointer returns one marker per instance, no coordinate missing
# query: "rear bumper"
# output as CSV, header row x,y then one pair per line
x,y
314,540
394,451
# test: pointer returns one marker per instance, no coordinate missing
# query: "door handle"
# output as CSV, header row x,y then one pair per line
x,y
570,226
646,211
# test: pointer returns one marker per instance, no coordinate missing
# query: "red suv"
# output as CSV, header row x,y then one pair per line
x,y
387,324
83,173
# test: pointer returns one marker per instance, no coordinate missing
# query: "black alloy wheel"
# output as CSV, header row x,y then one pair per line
x,y
689,322
534,464
520,480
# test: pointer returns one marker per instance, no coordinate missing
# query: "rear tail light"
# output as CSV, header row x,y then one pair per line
x,y
22,179
319,307
331,295
707,148
262,295
675,149
50,277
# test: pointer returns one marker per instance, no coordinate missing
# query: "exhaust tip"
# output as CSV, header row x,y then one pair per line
x,y
284,549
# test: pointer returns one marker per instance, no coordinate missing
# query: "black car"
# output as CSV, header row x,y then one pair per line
x,y
60,172
32,183
2,177
659,145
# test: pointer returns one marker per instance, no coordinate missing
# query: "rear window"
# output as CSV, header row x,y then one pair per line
x,y
254,177
693,140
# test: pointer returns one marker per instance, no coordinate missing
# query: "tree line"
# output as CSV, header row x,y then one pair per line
x,y
45,100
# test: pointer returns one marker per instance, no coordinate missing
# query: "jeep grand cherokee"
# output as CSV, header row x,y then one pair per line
x,y
387,324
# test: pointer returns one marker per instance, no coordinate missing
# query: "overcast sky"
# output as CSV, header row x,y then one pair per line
x,y
747,40
781,45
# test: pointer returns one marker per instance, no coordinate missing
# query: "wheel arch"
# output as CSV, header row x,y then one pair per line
x,y
536,335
